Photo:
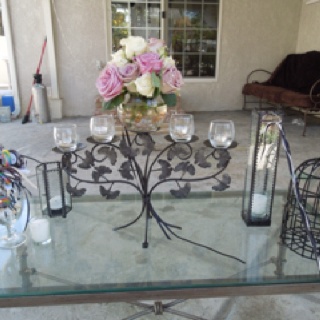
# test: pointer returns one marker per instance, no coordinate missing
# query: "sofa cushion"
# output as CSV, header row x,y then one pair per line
x,y
262,91
296,99
278,95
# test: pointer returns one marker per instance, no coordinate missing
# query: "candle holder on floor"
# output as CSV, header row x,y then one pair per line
x,y
52,183
294,231
261,169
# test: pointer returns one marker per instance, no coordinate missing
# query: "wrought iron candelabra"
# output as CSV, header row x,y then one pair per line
x,y
176,163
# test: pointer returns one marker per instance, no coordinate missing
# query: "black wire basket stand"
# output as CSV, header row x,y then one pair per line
x,y
294,233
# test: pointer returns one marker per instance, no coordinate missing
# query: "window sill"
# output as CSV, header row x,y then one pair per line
x,y
199,80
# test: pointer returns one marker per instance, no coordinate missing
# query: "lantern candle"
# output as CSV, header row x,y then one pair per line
x,y
259,205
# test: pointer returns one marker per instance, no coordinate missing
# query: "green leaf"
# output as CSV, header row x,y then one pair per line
x,y
155,80
170,99
156,92
111,104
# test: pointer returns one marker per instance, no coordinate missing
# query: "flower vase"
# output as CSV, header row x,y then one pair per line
x,y
142,114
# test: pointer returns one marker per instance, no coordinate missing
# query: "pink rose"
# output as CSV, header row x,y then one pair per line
x,y
129,72
171,80
109,83
149,62
155,44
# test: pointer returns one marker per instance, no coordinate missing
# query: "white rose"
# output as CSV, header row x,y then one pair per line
x,y
162,52
168,62
131,87
119,59
144,85
134,46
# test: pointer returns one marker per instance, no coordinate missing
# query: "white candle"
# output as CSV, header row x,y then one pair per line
x,y
103,134
181,130
40,230
259,205
56,203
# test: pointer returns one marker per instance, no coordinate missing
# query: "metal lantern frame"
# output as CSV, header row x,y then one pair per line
x,y
261,170
53,182
298,234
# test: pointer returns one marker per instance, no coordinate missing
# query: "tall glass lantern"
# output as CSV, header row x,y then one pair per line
x,y
52,183
261,168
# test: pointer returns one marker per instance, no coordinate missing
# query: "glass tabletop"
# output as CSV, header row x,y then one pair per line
x,y
86,256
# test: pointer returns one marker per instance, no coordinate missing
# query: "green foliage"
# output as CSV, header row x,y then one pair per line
x,y
156,83
111,104
155,80
169,99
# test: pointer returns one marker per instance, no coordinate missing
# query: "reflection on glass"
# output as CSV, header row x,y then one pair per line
x,y
209,41
192,30
120,15
210,16
117,35
138,32
193,41
194,15
177,41
153,34
192,33
207,67
191,65
175,16
154,15
136,18
138,15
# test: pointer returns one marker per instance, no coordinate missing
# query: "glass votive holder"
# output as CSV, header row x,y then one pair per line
x,y
221,133
102,128
181,127
39,228
65,137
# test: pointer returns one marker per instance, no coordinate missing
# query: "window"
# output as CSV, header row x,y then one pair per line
x,y
136,18
189,27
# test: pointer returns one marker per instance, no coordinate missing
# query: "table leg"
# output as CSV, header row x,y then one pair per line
x,y
158,308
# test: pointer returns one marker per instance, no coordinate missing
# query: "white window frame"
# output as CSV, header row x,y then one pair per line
x,y
163,32
11,59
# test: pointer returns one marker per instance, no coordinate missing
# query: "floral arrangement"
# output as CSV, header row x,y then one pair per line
x,y
140,68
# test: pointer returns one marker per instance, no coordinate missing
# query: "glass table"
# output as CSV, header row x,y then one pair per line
x,y
88,262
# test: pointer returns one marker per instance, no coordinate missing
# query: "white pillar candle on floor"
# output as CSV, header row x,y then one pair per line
x,y
40,230
259,204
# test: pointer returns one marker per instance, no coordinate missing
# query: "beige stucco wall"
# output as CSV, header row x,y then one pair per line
x,y
254,34
309,35
3,64
80,43
28,32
